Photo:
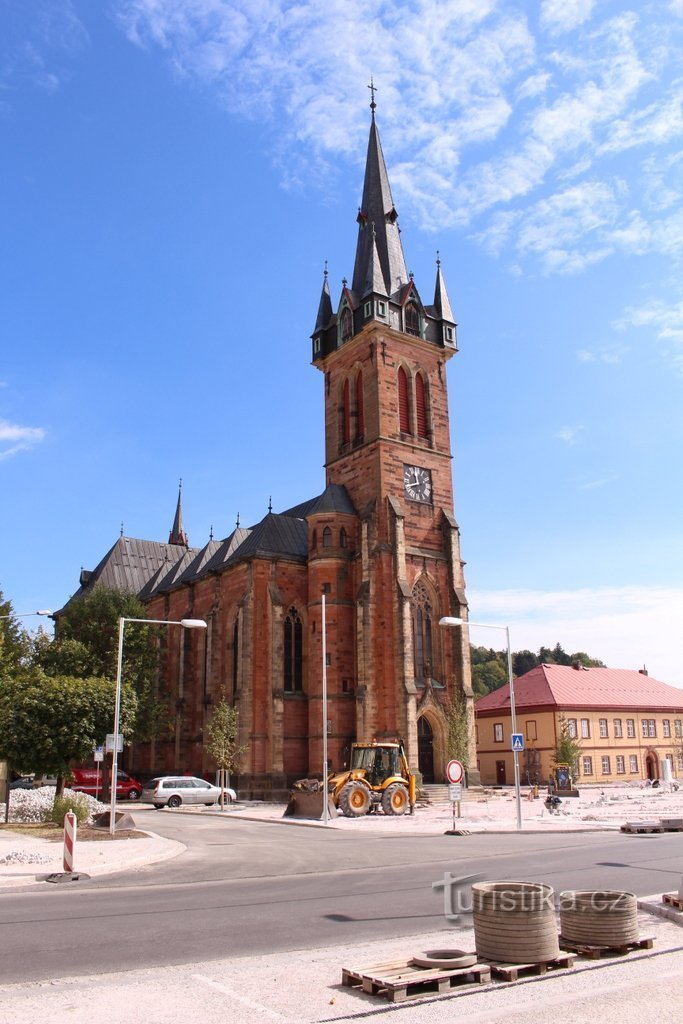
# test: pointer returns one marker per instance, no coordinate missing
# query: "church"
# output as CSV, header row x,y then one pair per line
x,y
380,544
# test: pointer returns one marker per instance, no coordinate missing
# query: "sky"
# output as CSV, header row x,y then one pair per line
x,y
174,175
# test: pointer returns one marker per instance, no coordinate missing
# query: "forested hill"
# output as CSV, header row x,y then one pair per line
x,y
490,669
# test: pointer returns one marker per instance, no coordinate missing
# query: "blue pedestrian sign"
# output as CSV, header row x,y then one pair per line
x,y
517,741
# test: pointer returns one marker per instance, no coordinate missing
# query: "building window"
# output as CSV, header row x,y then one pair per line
x,y
666,728
630,728
678,728
649,727
403,402
585,729
422,625
421,406
327,588
633,763
345,414
293,652
449,333
572,728
316,346
235,654
621,765
412,319
605,765
603,729
531,730
680,762
381,308
498,732
587,765
327,537
346,324
343,538
618,732
367,310
360,416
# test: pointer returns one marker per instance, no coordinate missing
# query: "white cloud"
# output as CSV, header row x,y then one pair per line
x,y
564,15
626,627
15,439
602,481
667,321
570,435
35,41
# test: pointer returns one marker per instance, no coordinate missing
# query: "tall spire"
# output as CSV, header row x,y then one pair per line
x,y
377,207
442,304
325,306
177,534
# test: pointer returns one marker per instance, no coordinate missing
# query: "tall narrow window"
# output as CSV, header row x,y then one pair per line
x,y
327,537
345,414
403,402
293,652
346,324
360,417
422,627
235,654
343,538
412,318
421,406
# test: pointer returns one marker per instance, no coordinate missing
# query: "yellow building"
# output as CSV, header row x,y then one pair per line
x,y
626,723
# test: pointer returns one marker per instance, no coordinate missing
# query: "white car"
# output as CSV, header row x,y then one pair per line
x,y
175,790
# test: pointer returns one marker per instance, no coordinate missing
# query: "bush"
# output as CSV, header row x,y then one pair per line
x,y
76,802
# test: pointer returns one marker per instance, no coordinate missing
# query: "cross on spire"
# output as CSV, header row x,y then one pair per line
x,y
373,89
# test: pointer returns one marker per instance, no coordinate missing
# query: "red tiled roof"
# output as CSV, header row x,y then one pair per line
x,y
565,686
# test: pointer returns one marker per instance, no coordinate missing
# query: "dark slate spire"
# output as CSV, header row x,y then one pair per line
x,y
377,207
325,307
177,534
442,304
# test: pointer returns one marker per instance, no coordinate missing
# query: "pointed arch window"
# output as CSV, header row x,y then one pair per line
x,y
327,537
343,538
345,414
412,319
421,406
235,653
293,652
403,402
346,324
423,619
360,416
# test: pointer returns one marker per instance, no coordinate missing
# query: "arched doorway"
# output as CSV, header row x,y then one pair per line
x,y
425,749
651,769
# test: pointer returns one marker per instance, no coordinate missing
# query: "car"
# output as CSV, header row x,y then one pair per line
x,y
175,790
89,780
24,782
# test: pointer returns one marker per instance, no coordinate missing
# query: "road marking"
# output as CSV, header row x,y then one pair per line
x,y
273,1014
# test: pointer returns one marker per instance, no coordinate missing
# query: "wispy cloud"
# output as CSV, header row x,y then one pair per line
x,y
502,114
667,321
34,42
598,482
570,435
15,438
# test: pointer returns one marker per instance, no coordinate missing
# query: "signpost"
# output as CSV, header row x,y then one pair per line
x,y
454,774
517,741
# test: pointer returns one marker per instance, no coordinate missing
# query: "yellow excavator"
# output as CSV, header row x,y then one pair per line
x,y
379,779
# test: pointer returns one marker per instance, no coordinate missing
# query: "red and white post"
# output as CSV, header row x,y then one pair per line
x,y
70,829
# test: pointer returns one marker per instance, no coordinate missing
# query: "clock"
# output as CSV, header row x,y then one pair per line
x,y
417,483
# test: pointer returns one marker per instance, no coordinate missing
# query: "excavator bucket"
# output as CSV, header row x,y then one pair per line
x,y
304,804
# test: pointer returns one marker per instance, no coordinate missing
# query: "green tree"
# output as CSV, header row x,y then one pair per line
x,y
457,729
523,662
568,748
221,741
15,644
48,721
86,645
488,676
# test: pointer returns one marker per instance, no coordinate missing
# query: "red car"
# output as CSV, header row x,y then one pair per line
x,y
87,780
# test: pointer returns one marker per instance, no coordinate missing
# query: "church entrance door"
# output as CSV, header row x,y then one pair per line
x,y
651,768
425,749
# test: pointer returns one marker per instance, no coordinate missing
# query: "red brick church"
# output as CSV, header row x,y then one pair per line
x,y
381,542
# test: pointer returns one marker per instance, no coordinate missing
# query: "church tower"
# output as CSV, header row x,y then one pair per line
x,y
383,354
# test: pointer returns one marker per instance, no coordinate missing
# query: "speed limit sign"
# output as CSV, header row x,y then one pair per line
x,y
454,772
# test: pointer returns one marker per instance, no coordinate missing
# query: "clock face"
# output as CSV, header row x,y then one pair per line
x,y
417,483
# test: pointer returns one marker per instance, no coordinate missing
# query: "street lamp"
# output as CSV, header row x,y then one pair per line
x,y
449,620
23,615
186,624
324,696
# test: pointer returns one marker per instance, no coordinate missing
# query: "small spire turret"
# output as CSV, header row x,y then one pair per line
x,y
177,534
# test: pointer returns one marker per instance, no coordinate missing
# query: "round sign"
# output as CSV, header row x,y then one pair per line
x,y
454,772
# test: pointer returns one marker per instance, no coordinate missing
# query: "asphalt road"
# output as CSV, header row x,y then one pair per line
x,y
248,888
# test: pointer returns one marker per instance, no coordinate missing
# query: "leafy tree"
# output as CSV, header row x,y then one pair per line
x,y
221,742
523,662
457,729
15,644
568,748
48,721
86,645
488,676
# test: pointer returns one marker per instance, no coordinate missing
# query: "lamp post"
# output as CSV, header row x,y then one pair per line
x,y
23,615
324,624
449,620
186,624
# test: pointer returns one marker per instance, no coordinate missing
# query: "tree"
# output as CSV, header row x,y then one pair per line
x,y
568,748
48,721
221,741
488,676
15,644
457,729
523,662
86,645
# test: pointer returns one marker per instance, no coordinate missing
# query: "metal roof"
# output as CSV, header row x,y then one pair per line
x,y
130,563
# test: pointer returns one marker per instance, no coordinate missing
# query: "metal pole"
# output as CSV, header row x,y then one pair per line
x,y
325,808
513,719
117,716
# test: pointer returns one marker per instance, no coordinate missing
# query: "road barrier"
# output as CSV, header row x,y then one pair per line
x,y
70,829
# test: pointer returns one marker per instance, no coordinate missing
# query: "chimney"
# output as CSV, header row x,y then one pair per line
x,y
577,666
643,671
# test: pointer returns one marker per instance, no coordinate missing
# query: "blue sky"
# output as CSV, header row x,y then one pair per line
x,y
175,173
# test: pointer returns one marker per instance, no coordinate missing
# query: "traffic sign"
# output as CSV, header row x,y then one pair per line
x,y
517,740
454,771
455,791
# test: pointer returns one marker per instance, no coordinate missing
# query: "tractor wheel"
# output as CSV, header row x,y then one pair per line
x,y
395,799
354,800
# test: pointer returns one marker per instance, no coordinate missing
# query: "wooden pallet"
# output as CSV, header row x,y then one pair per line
x,y
398,980
672,900
595,952
511,972
640,827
